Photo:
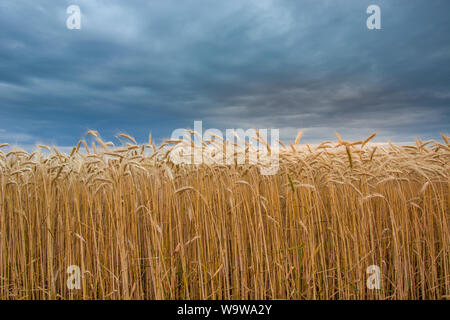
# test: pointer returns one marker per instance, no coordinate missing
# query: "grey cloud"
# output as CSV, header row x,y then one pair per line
x,y
159,65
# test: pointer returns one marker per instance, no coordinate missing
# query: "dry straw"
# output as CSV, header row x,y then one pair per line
x,y
142,227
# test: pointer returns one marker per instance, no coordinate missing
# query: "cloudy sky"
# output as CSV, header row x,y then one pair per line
x,y
140,66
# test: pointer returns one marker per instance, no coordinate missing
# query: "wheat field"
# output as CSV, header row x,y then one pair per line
x,y
140,226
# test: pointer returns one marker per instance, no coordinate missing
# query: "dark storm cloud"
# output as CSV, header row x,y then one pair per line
x,y
143,66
